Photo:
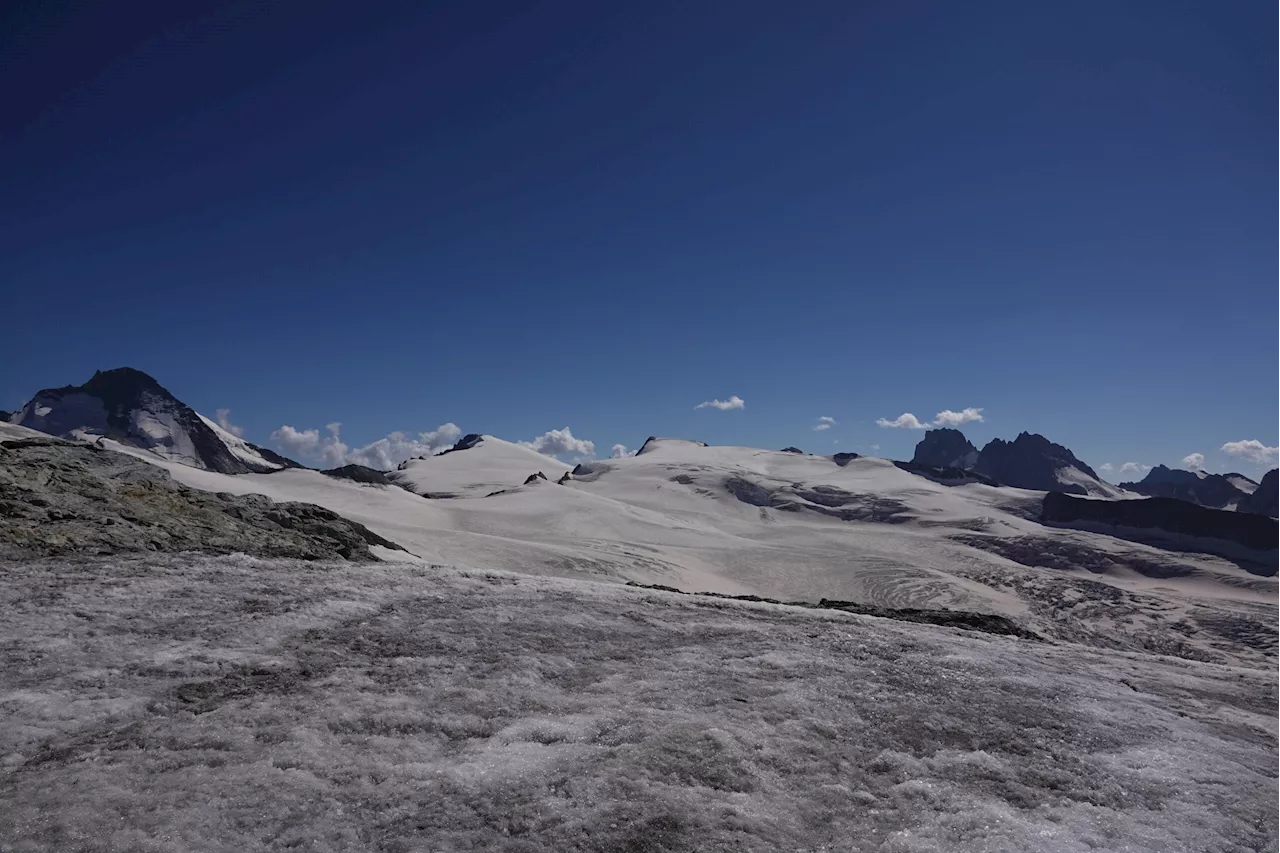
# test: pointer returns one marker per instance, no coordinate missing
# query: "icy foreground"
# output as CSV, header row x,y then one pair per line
x,y
198,703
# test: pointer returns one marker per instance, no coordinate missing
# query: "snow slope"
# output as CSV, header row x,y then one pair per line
x,y
490,465
241,449
189,703
788,526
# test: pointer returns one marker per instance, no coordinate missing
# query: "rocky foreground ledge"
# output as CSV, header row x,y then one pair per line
x,y
63,498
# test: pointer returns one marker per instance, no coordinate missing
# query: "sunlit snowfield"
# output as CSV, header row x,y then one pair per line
x,y
232,704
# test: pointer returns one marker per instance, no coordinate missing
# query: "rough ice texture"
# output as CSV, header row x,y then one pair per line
x,y
196,703
61,497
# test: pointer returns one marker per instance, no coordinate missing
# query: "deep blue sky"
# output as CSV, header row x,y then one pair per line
x,y
519,216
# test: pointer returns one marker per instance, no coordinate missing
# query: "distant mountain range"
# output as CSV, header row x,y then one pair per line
x,y
1028,462
130,408
1218,491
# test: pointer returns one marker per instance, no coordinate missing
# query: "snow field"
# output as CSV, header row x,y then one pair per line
x,y
196,703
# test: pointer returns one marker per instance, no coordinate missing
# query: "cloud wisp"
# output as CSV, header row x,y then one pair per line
x,y
560,442
824,422
1254,451
734,402
1194,461
945,418
330,450
224,421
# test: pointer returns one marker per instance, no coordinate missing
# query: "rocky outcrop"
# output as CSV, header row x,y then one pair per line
x,y
1209,490
129,407
792,450
68,498
565,478
1157,519
1033,462
946,476
533,478
360,474
1264,499
653,440
967,620
945,448
843,459
467,442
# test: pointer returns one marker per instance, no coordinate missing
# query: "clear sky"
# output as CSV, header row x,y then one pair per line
x,y
516,217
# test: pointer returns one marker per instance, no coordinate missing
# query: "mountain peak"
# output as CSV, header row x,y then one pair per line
x,y
1032,461
129,406
1208,490
945,448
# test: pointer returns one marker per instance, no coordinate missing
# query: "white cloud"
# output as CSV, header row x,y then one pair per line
x,y
734,402
1134,468
619,451
1106,467
224,421
906,420
948,418
310,445
1253,450
1194,461
945,418
824,422
560,442
385,453
875,447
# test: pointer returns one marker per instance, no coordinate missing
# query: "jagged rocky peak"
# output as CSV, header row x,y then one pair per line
x,y
1032,461
843,459
130,407
1208,490
467,442
792,450
358,473
945,448
533,478
1265,499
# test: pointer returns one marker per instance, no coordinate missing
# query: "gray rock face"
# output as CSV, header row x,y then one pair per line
x,y
1030,462
1211,490
945,448
130,407
1265,500
62,498
1172,517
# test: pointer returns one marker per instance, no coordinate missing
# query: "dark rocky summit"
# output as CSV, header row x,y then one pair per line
x,y
1264,499
792,450
945,448
565,478
1209,490
1166,518
360,474
533,478
128,406
71,499
843,459
1030,462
